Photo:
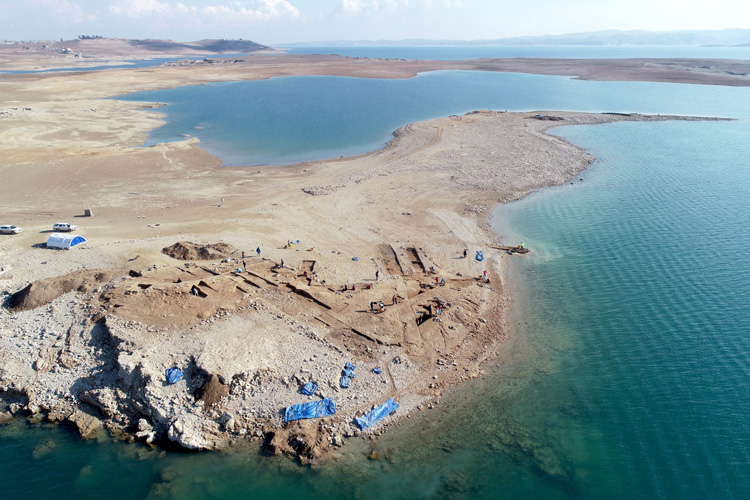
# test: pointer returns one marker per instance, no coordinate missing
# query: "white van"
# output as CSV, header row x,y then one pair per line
x,y
10,229
63,226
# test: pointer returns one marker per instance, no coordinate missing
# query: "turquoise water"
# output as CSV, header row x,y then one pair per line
x,y
627,376
643,309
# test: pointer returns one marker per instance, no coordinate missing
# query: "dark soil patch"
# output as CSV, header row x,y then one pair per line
x,y
45,291
185,250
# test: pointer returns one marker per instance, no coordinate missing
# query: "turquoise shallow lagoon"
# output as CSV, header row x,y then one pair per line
x,y
627,375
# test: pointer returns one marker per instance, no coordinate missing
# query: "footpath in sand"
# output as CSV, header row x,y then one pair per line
x,y
87,334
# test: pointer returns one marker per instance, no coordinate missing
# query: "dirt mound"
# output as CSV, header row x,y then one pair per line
x,y
184,250
212,392
45,291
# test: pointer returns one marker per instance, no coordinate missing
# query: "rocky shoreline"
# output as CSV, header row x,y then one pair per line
x,y
71,360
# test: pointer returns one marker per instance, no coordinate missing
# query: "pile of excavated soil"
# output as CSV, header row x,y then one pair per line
x,y
213,391
185,250
45,291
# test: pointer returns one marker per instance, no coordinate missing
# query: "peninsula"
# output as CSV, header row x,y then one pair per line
x,y
254,282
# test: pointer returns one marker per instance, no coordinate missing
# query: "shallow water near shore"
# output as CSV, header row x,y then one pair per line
x,y
627,373
639,276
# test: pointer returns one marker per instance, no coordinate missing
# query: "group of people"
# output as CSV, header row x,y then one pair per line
x,y
381,306
244,264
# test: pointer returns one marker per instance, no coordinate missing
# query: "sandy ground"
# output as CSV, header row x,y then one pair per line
x,y
407,212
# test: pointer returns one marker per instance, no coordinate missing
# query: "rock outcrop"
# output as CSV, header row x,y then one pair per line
x,y
87,425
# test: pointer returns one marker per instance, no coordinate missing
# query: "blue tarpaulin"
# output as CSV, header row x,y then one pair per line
x,y
313,409
309,388
377,414
480,256
377,371
174,375
349,370
347,374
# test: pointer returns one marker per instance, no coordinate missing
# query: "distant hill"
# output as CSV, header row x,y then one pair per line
x,y
728,37
99,47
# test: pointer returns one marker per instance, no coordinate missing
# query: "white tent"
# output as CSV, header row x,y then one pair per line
x,y
59,240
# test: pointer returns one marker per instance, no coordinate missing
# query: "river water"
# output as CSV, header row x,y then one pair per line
x,y
627,372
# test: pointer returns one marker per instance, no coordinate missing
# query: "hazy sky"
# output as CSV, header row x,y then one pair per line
x,y
277,21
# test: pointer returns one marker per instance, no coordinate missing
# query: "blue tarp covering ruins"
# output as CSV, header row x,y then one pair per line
x,y
377,414
349,370
309,389
174,375
347,374
313,409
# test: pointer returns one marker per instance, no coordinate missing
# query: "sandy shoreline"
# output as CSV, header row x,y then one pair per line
x,y
97,357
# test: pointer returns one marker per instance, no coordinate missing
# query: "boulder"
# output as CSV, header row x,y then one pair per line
x,y
144,425
145,431
59,412
102,399
87,425
193,432
229,422
15,375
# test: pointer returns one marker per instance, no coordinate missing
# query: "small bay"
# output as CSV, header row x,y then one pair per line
x,y
293,119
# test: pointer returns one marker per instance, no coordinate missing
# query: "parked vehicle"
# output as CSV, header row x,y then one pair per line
x,y
10,229
64,227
